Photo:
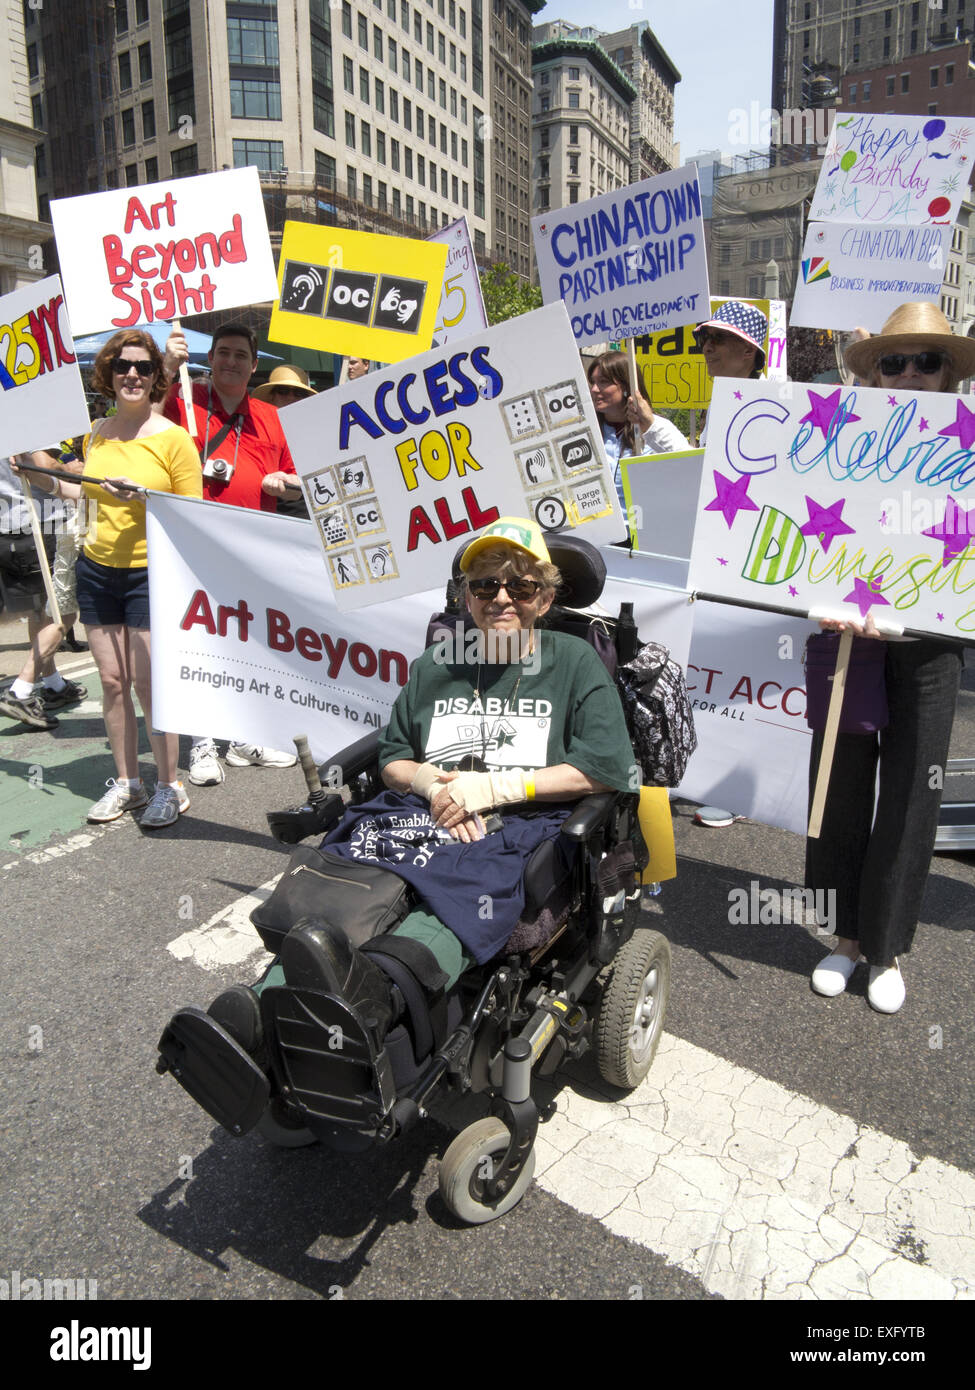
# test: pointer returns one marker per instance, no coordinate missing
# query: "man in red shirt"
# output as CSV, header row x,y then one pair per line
x,y
246,463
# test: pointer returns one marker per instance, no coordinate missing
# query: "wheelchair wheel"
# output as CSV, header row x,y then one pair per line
x,y
465,1166
279,1127
632,1011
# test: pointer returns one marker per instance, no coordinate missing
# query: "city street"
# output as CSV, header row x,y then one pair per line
x,y
783,1147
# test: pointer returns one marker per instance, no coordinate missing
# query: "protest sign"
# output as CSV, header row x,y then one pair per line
x,y
854,275
356,293
661,501
461,310
628,262
43,394
246,646
164,250
776,356
829,499
673,367
413,458
746,684
894,170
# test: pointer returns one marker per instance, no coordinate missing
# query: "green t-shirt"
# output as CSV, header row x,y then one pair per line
x,y
558,707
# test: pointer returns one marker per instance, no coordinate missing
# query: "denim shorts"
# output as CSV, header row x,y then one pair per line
x,y
108,597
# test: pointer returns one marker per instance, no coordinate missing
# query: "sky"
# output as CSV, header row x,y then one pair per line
x,y
721,48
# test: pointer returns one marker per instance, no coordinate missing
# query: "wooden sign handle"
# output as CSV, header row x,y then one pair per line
x,y
829,737
186,389
635,393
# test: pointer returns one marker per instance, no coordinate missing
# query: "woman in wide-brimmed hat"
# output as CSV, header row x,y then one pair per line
x,y
875,847
284,385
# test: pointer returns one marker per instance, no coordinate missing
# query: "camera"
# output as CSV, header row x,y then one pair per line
x,y
218,470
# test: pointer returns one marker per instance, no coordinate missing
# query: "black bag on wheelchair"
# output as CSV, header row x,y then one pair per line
x,y
363,899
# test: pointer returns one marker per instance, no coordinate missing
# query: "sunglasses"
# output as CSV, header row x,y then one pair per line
x,y
714,335
121,366
927,363
287,391
517,588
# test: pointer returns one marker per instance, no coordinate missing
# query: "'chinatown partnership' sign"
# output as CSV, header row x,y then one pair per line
x,y
629,262
399,466
846,501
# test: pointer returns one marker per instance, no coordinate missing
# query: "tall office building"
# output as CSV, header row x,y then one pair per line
x,y
815,43
22,233
641,57
385,114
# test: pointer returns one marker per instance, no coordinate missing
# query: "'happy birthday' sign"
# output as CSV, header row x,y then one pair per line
x,y
823,498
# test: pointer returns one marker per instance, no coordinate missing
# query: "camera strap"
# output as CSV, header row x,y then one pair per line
x,y
236,422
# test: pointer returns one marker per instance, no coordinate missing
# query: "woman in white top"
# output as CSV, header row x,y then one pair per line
x,y
621,414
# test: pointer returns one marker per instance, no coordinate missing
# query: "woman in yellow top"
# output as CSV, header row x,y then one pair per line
x,y
133,449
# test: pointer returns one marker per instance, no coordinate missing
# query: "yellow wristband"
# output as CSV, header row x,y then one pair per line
x,y
530,786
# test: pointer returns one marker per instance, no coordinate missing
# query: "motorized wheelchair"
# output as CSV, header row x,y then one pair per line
x,y
323,1075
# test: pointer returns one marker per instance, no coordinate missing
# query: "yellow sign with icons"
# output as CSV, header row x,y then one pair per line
x,y
356,293
673,367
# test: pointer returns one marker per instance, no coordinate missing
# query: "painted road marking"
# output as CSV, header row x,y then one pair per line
x,y
228,937
759,1192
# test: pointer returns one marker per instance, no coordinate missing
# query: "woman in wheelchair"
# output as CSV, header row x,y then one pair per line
x,y
495,737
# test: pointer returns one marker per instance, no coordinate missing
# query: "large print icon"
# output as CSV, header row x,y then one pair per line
x,y
303,288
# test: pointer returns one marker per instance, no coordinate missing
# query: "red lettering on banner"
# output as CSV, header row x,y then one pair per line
x,y
200,612
279,637
451,528
761,691
793,690
744,687
478,518
335,651
420,525
309,644
243,615
362,659
170,297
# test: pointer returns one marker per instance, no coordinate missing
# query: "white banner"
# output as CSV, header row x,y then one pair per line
x,y
629,262
461,310
41,389
854,276
746,682
164,250
401,464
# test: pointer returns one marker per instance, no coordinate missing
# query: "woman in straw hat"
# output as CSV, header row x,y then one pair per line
x,y
283,387
877,837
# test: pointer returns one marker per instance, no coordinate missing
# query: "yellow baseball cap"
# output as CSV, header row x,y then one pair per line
x,y
512,530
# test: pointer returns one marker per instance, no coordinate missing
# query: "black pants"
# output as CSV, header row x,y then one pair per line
x,y
878,864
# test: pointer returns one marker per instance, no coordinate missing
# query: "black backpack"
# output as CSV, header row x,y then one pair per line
x,y
658,714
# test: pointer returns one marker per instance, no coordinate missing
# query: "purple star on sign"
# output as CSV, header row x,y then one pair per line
x,y
922,424
891,400
737,395
964,426
822,411
940,617
956,532
793,590
721,562
866,594
732,497
826,522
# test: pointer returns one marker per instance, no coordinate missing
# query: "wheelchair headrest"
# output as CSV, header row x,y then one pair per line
x,y
580,564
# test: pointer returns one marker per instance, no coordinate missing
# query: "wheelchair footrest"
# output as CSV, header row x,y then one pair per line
x,y
212,1068
326,1058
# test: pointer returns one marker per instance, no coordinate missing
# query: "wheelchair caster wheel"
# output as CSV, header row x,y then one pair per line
x,y
468,1165
632,1011
279,1127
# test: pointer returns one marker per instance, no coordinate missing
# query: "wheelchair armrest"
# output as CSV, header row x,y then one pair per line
x,y
591,814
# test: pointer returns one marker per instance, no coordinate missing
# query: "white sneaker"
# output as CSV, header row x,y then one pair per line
x,y
832,974
205,769
248,755
885,989
165,807
117,800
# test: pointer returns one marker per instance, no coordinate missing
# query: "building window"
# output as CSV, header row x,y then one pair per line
x,y
350,182
392,59
253,42
121,16
350,130
573,74
128,127
184,161
324,170
37,112
348,75
367,190
267,155
364,85
380,96
853,92
347,20
394,156
905,82
573,192
408,161
866,91
394,105
890,86
934,77
573,101
131,175
377,43
145,62
949,74
124,72
142,11
252,99
152,170
573,135
544,101
365,135
380,147
363,33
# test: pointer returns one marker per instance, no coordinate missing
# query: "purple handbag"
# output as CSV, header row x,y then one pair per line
x,y
865,697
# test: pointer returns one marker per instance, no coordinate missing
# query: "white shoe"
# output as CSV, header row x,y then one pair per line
x,y
165,807
832,974
117,800
249,755
885,989
205,769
